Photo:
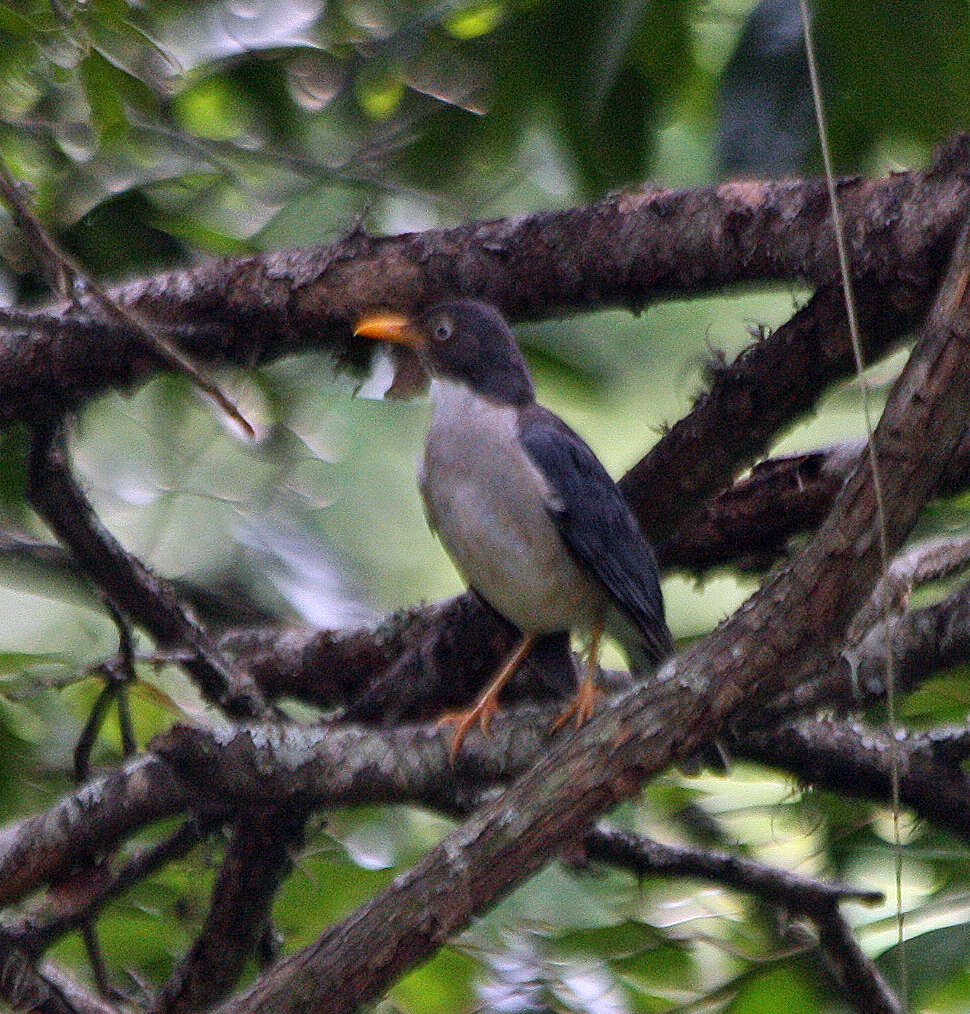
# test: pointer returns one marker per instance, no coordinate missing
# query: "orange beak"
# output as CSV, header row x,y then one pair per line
x,y
390,327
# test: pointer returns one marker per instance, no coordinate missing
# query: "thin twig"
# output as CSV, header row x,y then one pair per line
x,y
35,932
123,679
69,280
865,989
798,894
85,742
147,598
89,934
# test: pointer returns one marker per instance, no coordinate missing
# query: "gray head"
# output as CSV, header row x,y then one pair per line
x,y
463,341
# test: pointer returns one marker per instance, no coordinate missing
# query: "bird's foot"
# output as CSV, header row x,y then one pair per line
x,y
582,706
465,719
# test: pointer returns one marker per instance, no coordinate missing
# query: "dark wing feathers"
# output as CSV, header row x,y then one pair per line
x,y
596,524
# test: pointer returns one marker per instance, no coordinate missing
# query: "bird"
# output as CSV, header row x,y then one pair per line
x,y
527,512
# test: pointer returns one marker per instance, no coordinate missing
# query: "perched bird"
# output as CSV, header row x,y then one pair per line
x,y
526,510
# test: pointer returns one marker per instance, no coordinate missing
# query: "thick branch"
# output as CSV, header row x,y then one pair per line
x,y
770,385
257,858
85,822
858,760
750,522
277,765
263,764
625,250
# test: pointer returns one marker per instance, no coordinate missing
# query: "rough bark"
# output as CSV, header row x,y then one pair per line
x,y
625,250
239,769
258,857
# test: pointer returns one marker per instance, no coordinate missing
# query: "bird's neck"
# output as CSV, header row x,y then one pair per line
x,y
454,398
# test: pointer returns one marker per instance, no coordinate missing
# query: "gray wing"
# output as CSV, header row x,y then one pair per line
x,y
596,524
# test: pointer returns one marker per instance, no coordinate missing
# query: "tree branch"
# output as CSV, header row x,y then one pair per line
x,y
84,822
45,989
68,280
267,766
334,764
625,250
749,522
745,660
133,588
36,930
258,857
769,385
864,987
856,759
797,894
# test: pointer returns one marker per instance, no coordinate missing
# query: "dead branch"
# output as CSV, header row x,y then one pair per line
x,y
69,281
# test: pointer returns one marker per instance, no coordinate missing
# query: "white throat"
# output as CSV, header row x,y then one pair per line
x,y
454,398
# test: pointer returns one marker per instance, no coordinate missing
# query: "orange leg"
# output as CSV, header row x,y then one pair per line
x,y
487,704
584,703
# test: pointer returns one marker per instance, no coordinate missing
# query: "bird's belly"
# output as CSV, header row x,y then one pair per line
x,y
496,527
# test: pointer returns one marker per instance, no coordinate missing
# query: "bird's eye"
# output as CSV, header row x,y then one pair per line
x,y
442,331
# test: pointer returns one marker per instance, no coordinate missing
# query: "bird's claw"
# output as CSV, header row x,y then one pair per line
x,y
465,719
581,707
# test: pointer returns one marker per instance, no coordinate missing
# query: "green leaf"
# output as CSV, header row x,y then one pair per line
x,y
380,93
101,86
780,988
931,959
475,20
622,940
915,83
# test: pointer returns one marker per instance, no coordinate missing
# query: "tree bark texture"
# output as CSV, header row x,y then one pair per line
x,y
626,250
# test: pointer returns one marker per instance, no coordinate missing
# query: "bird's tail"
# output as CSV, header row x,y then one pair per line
x,y
644,649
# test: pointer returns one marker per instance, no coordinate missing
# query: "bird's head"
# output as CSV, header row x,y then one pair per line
x,y
465,342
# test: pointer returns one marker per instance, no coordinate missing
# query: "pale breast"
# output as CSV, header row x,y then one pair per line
x,y
490,506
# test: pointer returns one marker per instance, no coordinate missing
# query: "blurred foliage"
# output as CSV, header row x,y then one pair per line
x,y
151,133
